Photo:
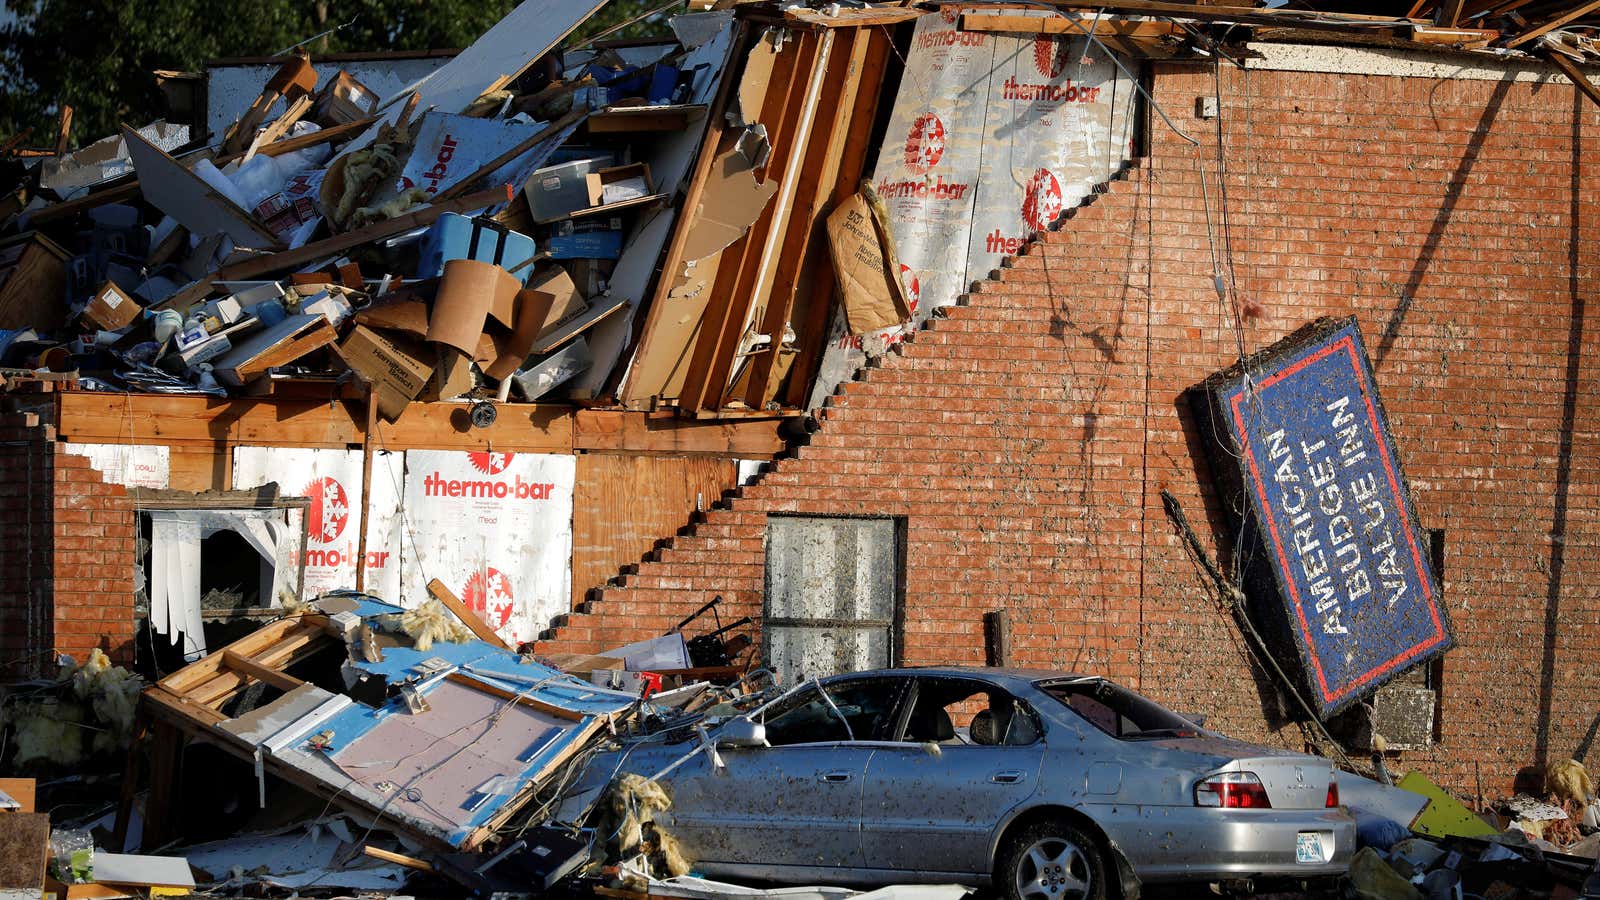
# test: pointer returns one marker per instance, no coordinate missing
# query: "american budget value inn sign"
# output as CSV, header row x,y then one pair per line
x,y
1301,443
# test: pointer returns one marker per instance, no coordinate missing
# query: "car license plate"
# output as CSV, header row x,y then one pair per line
x,y
1308,848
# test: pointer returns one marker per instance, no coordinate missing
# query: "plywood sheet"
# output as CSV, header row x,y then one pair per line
x,y
623,504
439,758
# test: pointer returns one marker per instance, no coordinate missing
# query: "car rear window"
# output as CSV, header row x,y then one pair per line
x,y
1118,711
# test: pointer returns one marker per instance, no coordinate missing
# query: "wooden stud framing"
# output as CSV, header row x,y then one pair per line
x,y
815,197
711,357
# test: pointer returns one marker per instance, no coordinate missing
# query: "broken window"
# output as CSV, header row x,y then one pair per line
x,y
834,591
1118,711
860,711
203,560
958,711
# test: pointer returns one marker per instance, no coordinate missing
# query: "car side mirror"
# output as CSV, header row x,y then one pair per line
x,y
742,732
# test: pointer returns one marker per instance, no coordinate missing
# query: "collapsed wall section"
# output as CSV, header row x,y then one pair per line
x,y
1025,439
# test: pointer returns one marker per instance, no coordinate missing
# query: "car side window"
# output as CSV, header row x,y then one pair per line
x,y
1118,711
957,711
808,718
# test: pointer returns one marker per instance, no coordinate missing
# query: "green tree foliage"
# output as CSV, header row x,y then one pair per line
x,y
97,55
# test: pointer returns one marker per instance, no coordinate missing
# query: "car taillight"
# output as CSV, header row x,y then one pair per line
x,y
1232,790
1333,794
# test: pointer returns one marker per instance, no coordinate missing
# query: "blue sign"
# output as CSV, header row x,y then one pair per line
x,y
1332,512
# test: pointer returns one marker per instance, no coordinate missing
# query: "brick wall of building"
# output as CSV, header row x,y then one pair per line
x,y
95,531
1026,438
67,544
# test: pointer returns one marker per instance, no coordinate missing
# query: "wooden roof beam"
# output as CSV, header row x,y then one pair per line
x,y
1577,12
1571,70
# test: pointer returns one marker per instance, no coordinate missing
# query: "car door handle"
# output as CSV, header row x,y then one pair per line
x,y
1009,776
838,776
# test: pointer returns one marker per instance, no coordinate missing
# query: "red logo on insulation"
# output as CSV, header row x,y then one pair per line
x,y
925,143
1041,200
490,463
1050,55
908,277
329,512
488,593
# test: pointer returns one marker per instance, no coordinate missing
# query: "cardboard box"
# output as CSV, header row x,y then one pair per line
x,y
344,100
205,351
596,238
619,183
592,276
555,191
111,308
397,369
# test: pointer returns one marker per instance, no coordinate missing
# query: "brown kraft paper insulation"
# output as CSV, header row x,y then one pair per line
x,y
869,285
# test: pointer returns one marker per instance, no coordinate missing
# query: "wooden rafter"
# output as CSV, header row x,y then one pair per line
x,y
1571,70
1575,13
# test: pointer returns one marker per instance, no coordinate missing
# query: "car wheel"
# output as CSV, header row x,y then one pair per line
x,y
1053,860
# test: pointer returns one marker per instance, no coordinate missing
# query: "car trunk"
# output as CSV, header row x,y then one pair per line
x,y
1292,780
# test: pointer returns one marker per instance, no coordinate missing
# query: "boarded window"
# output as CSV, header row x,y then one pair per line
x,y
833,594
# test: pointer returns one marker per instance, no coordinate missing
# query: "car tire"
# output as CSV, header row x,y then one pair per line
x,y
1053,860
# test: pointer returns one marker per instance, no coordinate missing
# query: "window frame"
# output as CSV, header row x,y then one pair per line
x,y
1045,687
896,709
908,704
893,627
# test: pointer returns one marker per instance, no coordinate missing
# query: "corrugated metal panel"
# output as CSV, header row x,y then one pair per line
x,y
624,504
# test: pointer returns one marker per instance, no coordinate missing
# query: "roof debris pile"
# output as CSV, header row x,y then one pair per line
x,y
671,223
426,731
489,232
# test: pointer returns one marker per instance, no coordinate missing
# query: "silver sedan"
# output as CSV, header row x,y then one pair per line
x,y
1045,785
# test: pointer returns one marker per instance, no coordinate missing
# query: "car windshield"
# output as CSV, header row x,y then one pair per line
x,y
1118,711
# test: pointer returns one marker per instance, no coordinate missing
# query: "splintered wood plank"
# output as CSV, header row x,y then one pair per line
x,y
657,343
1013,24
1574,74
468,618
1576,12
815,304
852,18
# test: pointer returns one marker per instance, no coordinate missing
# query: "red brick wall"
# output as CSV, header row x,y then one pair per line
x,y
1026,438
66,554
95,534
